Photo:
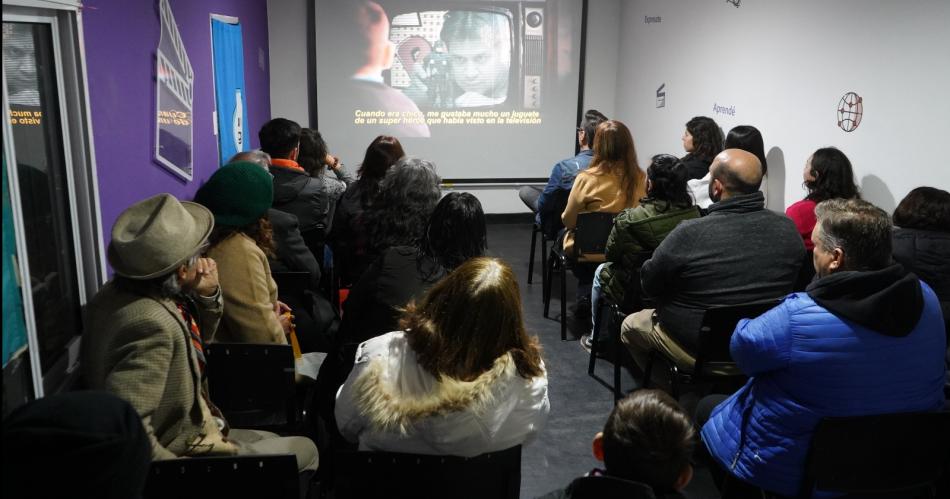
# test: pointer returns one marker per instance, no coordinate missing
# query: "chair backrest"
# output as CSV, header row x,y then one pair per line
x,y
716,332
247,381
877,454
593,229
551,214
369,475
633,298
266,475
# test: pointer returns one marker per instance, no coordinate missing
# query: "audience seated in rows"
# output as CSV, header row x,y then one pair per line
x,y
402,274
454,233
326,168
291,253
640,229
145,332
295,191
646,448
462,377
745,137
349,239
738,253
97,438
239,196
702,141
828,175
866,338
565,171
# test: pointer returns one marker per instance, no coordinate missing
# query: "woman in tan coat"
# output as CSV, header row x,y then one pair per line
x,y
239,195
612,183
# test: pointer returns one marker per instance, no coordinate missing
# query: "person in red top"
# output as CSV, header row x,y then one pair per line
x,y
828,175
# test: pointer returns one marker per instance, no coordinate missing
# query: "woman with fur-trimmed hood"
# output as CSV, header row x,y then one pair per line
x,y
462,378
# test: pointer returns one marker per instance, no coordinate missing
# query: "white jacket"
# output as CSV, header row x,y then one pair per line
x,y
390,403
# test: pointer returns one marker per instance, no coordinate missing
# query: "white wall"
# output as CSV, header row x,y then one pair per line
x,y
783,66
603,55
289,88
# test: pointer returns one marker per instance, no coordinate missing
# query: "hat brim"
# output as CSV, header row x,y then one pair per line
x,y
203,219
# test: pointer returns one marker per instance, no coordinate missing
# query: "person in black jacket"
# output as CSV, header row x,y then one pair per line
x,y
922,239
292,252
348,237
702,141
295,191
645,447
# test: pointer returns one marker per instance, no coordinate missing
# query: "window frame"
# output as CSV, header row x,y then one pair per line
x,y
82,193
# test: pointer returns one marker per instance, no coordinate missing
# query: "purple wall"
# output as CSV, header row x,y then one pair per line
x,y
121,37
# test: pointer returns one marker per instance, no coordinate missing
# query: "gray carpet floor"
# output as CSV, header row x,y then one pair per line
x,y
579,403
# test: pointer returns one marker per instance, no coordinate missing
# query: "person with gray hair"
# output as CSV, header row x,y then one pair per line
x,y
865,338
145,332
407,195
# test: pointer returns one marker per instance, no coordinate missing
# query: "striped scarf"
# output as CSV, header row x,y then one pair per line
x,y
196,340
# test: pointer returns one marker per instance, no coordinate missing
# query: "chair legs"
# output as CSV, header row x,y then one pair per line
x,y
545,279
546,285
594,334
616,321
534,241
563,303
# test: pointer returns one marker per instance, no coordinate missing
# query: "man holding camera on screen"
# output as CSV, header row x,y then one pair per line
x,y
368,37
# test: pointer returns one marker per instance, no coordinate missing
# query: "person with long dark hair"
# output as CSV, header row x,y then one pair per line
x,y
921,240
315,158
745,137
349,238
460,377
702,141
640,229
828,175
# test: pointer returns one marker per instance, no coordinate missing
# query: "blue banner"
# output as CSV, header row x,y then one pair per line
x,y
230,99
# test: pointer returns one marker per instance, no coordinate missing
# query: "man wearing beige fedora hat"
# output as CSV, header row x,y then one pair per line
x,y
146,328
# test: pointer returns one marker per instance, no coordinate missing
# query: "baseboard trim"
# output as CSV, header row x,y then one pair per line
x,y
509,218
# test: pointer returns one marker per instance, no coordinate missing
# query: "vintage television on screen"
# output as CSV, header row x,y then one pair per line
x,y
471,54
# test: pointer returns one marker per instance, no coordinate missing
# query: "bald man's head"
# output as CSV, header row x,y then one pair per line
x,y
734,172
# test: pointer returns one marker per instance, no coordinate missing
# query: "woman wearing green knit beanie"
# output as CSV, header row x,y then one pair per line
x,y
239,196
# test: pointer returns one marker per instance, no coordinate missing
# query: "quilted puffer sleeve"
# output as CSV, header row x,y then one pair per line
x,y
763,344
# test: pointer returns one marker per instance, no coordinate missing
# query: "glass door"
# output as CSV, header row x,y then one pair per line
x,y
49,187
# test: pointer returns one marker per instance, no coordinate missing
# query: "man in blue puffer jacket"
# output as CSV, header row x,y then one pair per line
x,y
866,337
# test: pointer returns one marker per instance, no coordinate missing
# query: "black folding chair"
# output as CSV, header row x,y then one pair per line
x,y
548,228
713,360
590,238
386,475
253,384
633,301
272,476
898,455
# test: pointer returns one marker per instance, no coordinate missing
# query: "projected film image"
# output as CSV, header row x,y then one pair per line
x,y
411,67
452,59
466,76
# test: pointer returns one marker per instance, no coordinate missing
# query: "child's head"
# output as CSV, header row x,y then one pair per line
x,y
649,439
